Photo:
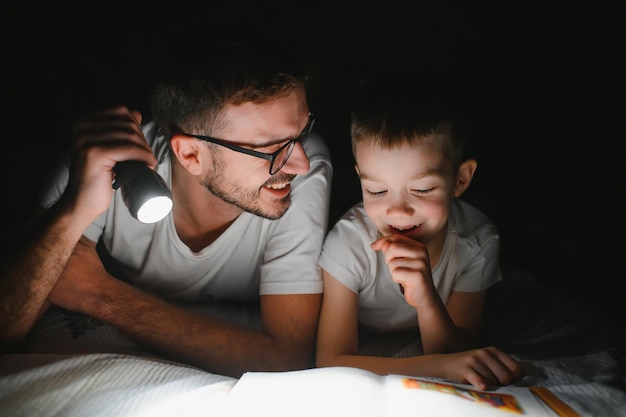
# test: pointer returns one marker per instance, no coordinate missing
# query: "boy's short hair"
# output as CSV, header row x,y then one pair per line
x,y
398,105
192,92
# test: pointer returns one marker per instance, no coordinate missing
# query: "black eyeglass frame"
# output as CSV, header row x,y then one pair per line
x,y
302,137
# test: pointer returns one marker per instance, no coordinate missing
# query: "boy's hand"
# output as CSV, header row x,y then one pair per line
x,y
480,367
409,265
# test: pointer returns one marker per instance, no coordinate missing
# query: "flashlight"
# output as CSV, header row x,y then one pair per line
x,y
144,191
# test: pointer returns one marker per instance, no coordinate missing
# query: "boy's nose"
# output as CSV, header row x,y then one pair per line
x,y
400,208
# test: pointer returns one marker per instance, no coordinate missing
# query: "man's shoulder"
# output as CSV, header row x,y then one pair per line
x,y
316,148
315,184
156,139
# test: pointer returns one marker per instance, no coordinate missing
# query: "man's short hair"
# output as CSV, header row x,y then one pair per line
x,y
192,91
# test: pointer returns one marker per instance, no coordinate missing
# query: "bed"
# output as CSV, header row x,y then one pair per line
x,y
75,366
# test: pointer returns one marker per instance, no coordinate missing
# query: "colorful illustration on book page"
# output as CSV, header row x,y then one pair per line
x,y
501,401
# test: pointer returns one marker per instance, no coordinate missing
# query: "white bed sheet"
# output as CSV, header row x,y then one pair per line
x,y
74,366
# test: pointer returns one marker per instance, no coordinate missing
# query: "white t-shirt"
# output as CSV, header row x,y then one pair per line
x,y
254,256
468,263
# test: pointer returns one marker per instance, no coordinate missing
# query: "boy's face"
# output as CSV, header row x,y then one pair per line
x,y
407,190
244,180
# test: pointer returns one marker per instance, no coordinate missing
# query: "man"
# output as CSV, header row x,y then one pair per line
x,y
249,217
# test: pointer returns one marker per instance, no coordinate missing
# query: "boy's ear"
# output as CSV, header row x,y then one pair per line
x,y
465,175
187,151
356,168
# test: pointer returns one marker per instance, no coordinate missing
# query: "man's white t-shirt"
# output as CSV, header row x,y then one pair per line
x,y
254,256
469,262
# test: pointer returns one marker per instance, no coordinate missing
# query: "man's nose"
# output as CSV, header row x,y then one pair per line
x,y
298,163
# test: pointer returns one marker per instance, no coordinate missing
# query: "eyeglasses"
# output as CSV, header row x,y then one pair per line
x,y
277,159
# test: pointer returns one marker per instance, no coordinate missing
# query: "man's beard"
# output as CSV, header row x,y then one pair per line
x,y
245,200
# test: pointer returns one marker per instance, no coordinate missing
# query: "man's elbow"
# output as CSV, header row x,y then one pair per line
x,y
301,359
324,360
10,340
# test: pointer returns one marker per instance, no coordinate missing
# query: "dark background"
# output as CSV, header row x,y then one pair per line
x,y
547,81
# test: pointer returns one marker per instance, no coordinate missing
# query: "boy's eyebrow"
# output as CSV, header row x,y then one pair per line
x,y
364,176
430,173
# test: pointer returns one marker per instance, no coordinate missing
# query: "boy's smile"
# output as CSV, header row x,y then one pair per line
x,y
406,190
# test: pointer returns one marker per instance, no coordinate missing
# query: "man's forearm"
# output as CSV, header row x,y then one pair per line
x,y
208,343
29,275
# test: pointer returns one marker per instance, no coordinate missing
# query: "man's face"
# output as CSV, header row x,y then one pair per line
x,y
244,180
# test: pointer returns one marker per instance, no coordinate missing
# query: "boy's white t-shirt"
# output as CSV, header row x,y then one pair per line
x,y
469,262
254,256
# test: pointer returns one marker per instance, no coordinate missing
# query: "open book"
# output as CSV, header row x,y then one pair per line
x,y
344,391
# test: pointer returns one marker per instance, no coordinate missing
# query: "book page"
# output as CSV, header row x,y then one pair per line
x,y
435,397
344,391
318,392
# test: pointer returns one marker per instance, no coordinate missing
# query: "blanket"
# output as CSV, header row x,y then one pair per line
x,y
75,366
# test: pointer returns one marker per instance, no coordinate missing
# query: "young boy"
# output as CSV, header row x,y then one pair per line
x,y
411,257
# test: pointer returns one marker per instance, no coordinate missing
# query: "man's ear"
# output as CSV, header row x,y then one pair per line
x,y
187,151
465,175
